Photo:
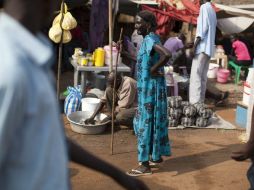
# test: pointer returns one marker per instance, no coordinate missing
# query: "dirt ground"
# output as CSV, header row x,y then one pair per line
x,y
200,161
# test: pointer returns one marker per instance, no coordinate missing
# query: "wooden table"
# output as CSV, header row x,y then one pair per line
x,y
84,70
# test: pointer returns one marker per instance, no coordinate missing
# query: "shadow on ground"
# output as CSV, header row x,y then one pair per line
x,y
198,161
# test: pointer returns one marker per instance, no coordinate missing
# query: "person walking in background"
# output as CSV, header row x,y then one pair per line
x,y
203,50
33,149
151,120
242,56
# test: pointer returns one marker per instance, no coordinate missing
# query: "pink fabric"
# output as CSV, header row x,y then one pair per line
x,y
164,24
188,15
241,51
172,13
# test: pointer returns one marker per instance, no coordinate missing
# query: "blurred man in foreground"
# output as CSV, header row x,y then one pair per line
x,y
33,149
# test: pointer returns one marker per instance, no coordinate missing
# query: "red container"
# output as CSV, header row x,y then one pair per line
x,y
222,75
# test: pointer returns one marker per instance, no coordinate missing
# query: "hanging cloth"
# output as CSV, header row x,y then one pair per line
x,y
98,23
164,21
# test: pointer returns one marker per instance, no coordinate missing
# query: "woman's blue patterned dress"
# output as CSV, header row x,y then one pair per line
x,y
151,120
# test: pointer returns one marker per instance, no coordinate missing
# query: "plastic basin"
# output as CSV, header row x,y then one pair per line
x,y
75,118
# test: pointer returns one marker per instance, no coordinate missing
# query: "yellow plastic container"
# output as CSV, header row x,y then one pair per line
x,y
83,61
99,57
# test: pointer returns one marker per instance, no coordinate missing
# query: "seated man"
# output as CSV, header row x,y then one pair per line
x,y
125,100
242,55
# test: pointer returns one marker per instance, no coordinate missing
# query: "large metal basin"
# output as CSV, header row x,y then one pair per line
x,y
75,118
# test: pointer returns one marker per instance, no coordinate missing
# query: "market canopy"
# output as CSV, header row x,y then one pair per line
x,y
183,10
234,20
234,25
230,19
192,7
227,11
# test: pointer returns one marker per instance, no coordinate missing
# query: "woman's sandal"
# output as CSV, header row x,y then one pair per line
x,y
139,171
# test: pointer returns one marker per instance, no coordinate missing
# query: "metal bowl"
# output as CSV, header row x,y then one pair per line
x,y
78,127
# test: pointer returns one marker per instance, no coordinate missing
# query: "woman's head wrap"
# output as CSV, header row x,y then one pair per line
x,y
149,17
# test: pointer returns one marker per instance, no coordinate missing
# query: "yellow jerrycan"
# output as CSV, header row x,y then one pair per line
x,y
99,57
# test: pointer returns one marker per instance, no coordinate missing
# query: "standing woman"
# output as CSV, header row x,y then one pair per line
x,y
151,120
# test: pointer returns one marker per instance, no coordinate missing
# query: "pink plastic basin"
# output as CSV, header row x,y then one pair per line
x,y
222,75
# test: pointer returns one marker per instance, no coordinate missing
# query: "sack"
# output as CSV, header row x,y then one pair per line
x,y
72,102
57,19
67,36
68,23
55,33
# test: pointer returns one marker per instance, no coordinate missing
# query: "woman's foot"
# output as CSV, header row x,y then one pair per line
x,y
141,170
155,162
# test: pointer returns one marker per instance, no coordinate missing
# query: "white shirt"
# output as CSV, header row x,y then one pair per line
x,y
33,153
206,29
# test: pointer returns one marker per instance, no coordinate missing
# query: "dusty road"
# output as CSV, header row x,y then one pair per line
x,y
200,161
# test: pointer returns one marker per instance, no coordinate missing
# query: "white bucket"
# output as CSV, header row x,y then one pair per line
x,y
212,71
90,104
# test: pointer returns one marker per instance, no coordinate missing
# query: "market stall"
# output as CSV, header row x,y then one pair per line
x,y
84,71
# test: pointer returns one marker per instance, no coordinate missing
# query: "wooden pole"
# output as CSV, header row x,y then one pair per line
x,y
114,95
110,23
60,53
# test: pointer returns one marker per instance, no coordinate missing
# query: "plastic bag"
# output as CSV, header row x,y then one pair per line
x,y
63,11
69,22
72,102
55,33
57,19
